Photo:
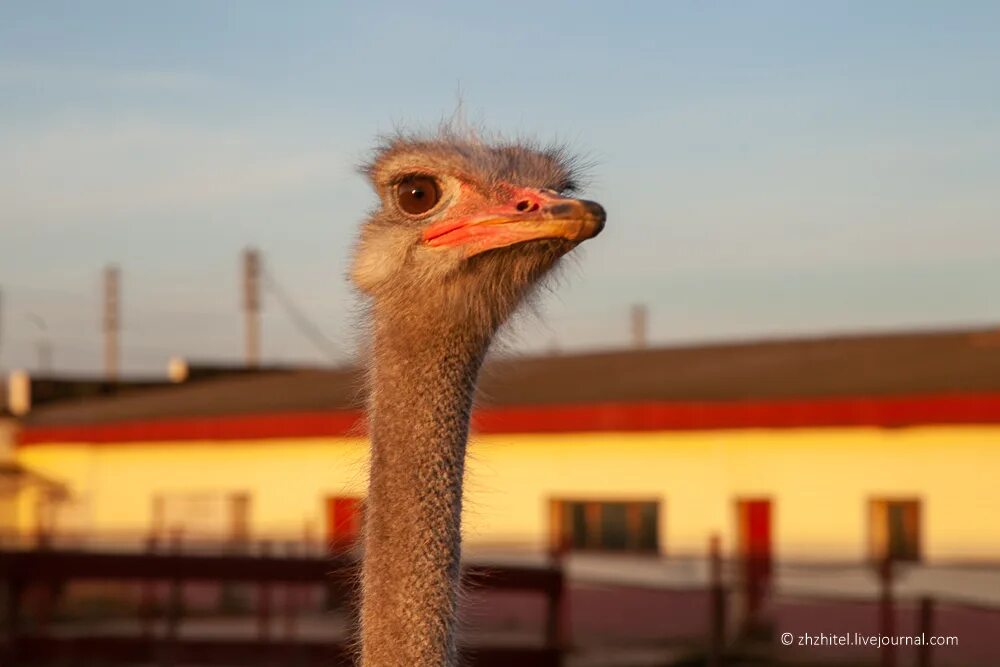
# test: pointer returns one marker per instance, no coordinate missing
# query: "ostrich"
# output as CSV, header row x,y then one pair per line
x,y
464,229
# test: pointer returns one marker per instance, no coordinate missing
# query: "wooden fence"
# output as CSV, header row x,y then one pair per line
x,y
32,581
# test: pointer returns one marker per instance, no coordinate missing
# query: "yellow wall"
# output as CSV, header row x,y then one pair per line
x,y
287,479
819,479
8,487
8,430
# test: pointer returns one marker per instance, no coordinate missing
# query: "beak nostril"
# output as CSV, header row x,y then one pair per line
x,y
524,205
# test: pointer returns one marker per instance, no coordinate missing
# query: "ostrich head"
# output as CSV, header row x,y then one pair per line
x,y
464,228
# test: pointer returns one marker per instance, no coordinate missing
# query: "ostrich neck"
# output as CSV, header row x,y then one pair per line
x,y
422,384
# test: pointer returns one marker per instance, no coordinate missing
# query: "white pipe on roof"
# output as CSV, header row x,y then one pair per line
x,y
19,393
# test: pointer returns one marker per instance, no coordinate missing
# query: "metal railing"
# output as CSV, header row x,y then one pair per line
x,y
216,602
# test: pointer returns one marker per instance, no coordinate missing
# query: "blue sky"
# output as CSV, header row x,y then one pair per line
x,y
769,168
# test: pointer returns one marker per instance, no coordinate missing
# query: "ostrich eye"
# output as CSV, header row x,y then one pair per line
x,y
417,194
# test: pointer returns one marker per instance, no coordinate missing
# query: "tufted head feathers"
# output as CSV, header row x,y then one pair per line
x,y
467,224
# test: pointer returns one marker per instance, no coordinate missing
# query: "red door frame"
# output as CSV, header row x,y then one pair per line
x,y
754,525
343,522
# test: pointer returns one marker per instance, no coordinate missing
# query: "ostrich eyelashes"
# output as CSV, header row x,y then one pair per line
x,y
416,195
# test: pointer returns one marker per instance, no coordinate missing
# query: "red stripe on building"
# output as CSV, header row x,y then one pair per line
x,y
663,416
231,427
892,412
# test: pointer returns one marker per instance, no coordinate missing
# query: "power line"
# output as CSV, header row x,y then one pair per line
x,y
79,304
305,326
90,344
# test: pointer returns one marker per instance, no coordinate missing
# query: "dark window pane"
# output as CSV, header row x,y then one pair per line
x,y
647,540
614,526
902,531
609,526
576,515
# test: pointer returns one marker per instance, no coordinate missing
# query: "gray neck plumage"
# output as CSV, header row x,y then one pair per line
x,y
422,382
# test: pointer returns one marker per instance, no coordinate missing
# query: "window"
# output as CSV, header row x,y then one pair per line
x,y
894,529
598,525
239,518
202,516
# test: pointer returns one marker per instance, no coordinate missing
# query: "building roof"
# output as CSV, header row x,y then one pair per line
x,y
82,389
46,390
948,363
280,391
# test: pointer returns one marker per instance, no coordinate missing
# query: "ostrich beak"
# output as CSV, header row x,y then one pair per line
x,y
530,215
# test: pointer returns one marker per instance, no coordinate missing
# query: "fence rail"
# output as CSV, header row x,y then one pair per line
x,y
546,607
34,579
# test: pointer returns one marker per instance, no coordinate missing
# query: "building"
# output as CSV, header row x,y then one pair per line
x,y
27,493
19,486
825,448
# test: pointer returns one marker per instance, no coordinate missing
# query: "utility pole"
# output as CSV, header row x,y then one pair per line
x,y
111,322
251,305
43,347
640,317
